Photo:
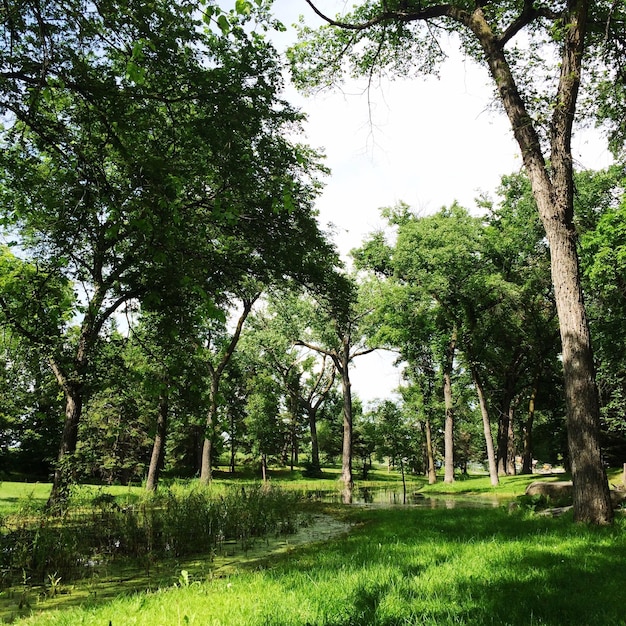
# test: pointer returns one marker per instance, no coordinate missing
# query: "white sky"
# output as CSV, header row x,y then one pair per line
x,y
430,141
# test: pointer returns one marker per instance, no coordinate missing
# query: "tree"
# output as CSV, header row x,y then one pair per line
x,y
437,260
395,435
601,208
147,154
335,331
523,332
306,378
220,348
562,39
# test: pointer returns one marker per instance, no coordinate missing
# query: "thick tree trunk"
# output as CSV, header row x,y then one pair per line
x,y
206,466
553,190
591,493
158,448
62,478
449,410
484,412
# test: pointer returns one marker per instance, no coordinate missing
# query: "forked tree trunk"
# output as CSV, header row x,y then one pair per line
x,y
553,190
206,462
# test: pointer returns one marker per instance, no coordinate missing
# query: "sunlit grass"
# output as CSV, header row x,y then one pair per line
x,y
405,566
397,566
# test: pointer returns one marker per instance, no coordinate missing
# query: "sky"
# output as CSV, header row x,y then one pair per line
x,y
425,141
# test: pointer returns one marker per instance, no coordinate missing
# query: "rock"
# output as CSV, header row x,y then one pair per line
x,y
564,490
555,490
617,497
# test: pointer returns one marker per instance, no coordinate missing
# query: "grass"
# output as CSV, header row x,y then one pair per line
x,y
401,565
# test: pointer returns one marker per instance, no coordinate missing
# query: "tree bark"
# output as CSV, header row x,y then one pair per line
x,y
449,410
527,454
346,450
553,192
206,467
73,410
511,469
484,412
430,457
158,448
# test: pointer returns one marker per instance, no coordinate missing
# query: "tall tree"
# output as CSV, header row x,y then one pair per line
x,y
146,154
336,331
220,347
561,38
307,377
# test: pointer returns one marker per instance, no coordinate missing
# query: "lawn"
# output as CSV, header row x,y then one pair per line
x,y
400,565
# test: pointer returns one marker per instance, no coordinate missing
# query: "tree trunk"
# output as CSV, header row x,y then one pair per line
x,y
491,456
233,445
62,478
206,463
511,470
553,189
430,457
346,452
449,410
591,493
527,454
206,467
158,448
315,448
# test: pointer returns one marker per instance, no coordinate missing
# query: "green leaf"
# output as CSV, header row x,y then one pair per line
x,y
243,7
224,24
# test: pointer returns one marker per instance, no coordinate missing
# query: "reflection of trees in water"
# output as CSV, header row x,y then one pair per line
x,y
392,497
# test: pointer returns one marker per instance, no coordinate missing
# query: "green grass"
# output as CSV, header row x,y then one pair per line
x,y
403,566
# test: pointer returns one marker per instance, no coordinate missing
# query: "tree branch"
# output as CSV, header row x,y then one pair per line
x,y
529,14
440,10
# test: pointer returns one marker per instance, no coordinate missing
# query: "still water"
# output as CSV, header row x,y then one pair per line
x,y
390,497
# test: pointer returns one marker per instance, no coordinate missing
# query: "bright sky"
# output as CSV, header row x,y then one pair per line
x,y
430,141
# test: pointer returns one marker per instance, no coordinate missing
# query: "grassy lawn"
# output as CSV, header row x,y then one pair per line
x,y
401,565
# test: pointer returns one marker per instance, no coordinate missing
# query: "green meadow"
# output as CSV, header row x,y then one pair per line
x,y
353,565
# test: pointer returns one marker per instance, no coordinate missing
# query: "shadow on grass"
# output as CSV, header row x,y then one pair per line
x,y
473,567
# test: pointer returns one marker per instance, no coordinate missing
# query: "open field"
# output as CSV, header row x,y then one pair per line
x,y
373,565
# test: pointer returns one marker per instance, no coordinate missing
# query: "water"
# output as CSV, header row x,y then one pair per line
x,y
365,496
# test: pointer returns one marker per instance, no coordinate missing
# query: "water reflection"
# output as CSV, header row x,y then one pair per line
x,y
393,497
